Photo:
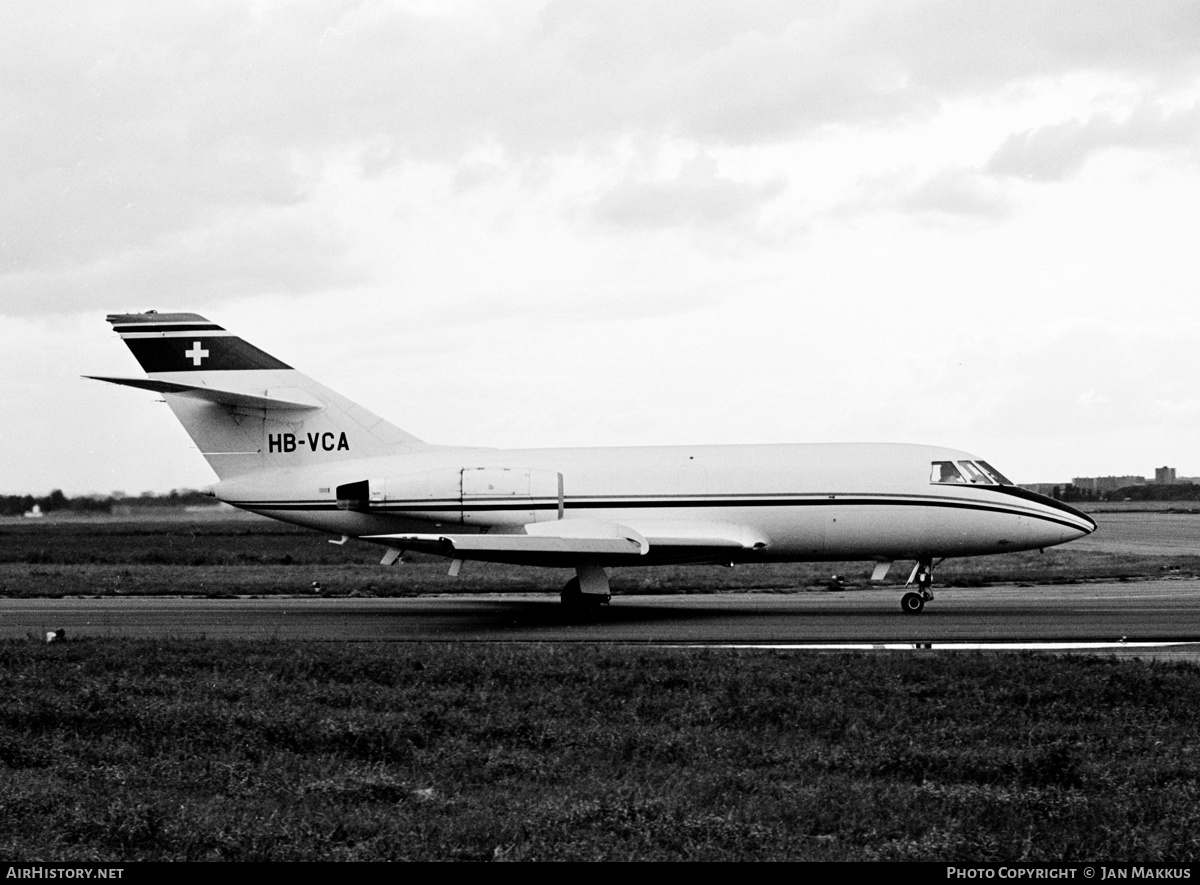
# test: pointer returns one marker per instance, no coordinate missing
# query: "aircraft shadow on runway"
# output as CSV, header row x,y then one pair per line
x,y
503,616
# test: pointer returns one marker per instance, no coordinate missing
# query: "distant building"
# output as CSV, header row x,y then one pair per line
x,y
1098,484
35,513
1101,488
1049,489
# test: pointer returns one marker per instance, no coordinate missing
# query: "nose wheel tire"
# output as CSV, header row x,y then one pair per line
x,y
912,603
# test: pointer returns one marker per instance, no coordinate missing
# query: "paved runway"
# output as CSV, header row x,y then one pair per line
x,y
1138,612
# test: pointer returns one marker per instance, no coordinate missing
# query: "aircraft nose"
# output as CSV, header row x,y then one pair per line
x,y
1084,524
1071,528
1081,522
1071,523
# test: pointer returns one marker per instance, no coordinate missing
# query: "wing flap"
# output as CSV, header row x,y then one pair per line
x,y
215,395
715,535
541,541
486,546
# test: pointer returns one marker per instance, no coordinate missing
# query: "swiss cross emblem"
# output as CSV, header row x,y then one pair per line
x,y
196,354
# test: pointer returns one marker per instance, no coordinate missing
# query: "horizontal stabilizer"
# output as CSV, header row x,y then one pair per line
x,y
297,399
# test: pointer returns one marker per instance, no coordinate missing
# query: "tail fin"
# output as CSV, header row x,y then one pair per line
x,y
246,410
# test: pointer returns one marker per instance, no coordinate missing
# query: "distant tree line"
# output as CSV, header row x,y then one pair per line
x,y
17,505
1174,491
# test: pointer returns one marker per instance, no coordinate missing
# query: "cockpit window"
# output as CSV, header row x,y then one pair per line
x,y
995,474
944,471
974,474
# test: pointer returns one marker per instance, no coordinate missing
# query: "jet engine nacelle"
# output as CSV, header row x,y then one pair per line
x,y
493,496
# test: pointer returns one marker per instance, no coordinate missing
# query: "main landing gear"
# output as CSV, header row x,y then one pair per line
x,y
913,603
588,590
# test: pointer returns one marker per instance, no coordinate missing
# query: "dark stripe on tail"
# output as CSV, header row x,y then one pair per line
x,y
199,353
161,327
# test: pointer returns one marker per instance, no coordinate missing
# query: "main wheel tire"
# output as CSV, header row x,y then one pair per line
x,y
571,596
912,603
574,599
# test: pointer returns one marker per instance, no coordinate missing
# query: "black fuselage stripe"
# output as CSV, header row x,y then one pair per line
x,y
392,508
1026,495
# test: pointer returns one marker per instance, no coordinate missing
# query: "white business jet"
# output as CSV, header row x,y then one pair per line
x,y
287,447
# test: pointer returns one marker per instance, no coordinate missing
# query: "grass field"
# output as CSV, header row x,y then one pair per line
x,y
258,557
301,751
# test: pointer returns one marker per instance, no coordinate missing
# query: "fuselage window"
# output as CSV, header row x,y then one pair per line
x,y
974,474
995,474
944,471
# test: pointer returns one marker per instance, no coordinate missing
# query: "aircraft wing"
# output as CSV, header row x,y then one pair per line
x,y
542,540
214,395
506,547
567,540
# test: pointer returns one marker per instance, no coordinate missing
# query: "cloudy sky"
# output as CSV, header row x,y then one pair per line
x,y
613,223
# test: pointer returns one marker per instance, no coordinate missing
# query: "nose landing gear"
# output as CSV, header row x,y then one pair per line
x,y
913,603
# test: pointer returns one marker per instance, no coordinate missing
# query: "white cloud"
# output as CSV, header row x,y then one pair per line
x,y
955,193
248,255
1058,150
720,221
697,196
